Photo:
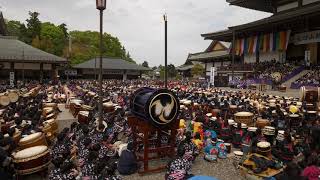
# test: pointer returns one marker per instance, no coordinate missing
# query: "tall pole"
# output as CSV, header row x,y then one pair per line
x,y
165,52
100,70
233,51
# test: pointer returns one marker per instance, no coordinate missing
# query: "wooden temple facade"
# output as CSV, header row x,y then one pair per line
x,y
292,32
20,61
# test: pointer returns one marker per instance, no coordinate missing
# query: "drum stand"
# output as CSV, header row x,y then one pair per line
x,y
143,132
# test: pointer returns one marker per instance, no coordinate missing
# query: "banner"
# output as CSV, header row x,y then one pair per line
x,y
212,74
276,41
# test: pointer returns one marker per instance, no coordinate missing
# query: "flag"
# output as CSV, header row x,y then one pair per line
x,y
242,46
271,42
287,39
255,44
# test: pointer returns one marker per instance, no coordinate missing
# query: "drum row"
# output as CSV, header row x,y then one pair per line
x,y
33,156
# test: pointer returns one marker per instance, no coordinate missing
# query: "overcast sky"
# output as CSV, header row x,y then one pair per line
x,y
139,24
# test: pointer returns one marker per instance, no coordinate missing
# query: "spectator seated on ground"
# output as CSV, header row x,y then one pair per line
x,y
127,163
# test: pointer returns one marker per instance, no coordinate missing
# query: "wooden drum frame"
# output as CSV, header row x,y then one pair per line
x,y
31,160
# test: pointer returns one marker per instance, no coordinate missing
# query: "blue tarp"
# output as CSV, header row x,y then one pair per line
x,y
202,178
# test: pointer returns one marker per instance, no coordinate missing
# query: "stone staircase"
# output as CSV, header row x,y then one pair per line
x,y
294,78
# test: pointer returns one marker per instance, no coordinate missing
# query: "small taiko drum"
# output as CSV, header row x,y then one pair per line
x,y
48,132
47,110
280,135
264,149
228,147
311,107
309,95
17,136
53,124
237,157
83,117
51,116
295,121
52,105
108,107
269,131
261,123
75,106
31,160
4,99
86,108
243,117
77,109
13,96
233,108
31,140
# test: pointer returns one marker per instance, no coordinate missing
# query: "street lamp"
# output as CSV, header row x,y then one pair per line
x,y
101,5
165,18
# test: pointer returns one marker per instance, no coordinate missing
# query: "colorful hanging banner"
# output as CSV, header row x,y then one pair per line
x,y
276,41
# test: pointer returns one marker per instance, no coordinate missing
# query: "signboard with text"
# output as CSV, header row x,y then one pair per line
x,y
307,37
11,79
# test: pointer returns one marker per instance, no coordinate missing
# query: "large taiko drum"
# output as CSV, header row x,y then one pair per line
x,y
310,94
108,107
159,107
243,117
31,160
4,99
53,124
31,140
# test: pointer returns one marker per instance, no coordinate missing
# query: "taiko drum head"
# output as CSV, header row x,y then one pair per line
x,y
163,108
31,137
30,152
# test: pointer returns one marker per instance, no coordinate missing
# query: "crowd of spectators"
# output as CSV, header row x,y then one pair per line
x,y
312,78
264,70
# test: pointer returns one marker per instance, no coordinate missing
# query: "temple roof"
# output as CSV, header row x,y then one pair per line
x,y
11,49
269,22
111,64
260,5
208,55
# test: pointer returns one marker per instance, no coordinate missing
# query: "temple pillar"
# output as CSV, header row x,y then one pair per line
x,y
124,75
41,73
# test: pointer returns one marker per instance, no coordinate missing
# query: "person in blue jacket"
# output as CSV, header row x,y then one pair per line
x,y
128,163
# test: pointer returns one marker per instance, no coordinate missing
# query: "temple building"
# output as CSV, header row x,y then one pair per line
x,y
113,68
20,61
291,33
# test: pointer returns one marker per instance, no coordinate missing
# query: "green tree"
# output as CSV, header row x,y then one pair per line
x,y
33,26
13,28
86,45
172,72
64,28
145,64
51,34
197,70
